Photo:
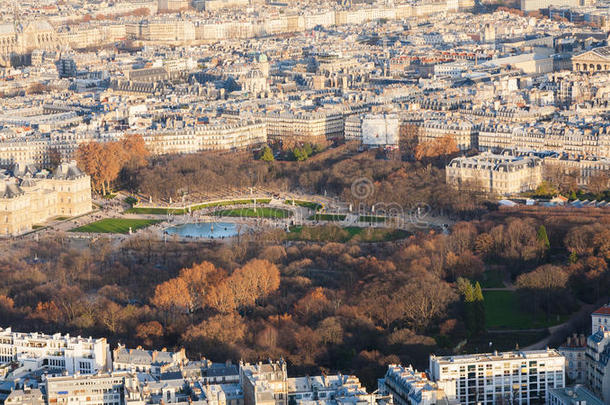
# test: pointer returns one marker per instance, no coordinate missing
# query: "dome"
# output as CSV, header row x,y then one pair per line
x,y
254,74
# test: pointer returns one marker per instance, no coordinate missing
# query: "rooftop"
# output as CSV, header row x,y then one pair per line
x,y
575,395
488,357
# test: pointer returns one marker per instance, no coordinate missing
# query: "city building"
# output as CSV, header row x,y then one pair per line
x,y
380,130
32,351
304,127
595,60
600,318
26,396
495,174
220,136
100,389
66,68
19,40
29,197
464,133
411,387
172,5
331,390
353,127
163,30
264,383
521,376
598,368
584,169
576,364
535,5
576,395
214,5
153,362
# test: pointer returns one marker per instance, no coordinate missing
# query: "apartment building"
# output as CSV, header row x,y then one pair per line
x,y
220,394
100,389
330,389
521,377
40,119
570,140
577,395
496,174
37,149
214,5
230,135
26,396
380,130
25,150
304,127
30,197
139,360
598,368
81,37
464,133
574,352
583,168
600,318
268,384
173,5
264,383
353,127
225,136
162,30
411,387
33,351
495,137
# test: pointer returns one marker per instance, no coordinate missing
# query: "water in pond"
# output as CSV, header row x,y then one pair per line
x,y
207,230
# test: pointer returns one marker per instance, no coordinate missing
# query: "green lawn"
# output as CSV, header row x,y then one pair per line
x,y
371,218
155,211
182,211
259,212
115,225
503,311
307,204
327,217
492,279
501,341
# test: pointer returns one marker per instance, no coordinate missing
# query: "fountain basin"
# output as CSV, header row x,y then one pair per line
x,y
211,230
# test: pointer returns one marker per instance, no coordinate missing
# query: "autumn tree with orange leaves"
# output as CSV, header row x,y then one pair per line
x,y
205,285
443,146
104,162
173,296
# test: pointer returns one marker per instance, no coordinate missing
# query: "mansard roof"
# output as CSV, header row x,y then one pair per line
x,y
67,171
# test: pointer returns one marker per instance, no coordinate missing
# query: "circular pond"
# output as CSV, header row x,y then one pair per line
x,y
212,230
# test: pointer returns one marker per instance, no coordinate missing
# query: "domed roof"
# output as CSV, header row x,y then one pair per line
x,y
27,181
255,74
68,171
